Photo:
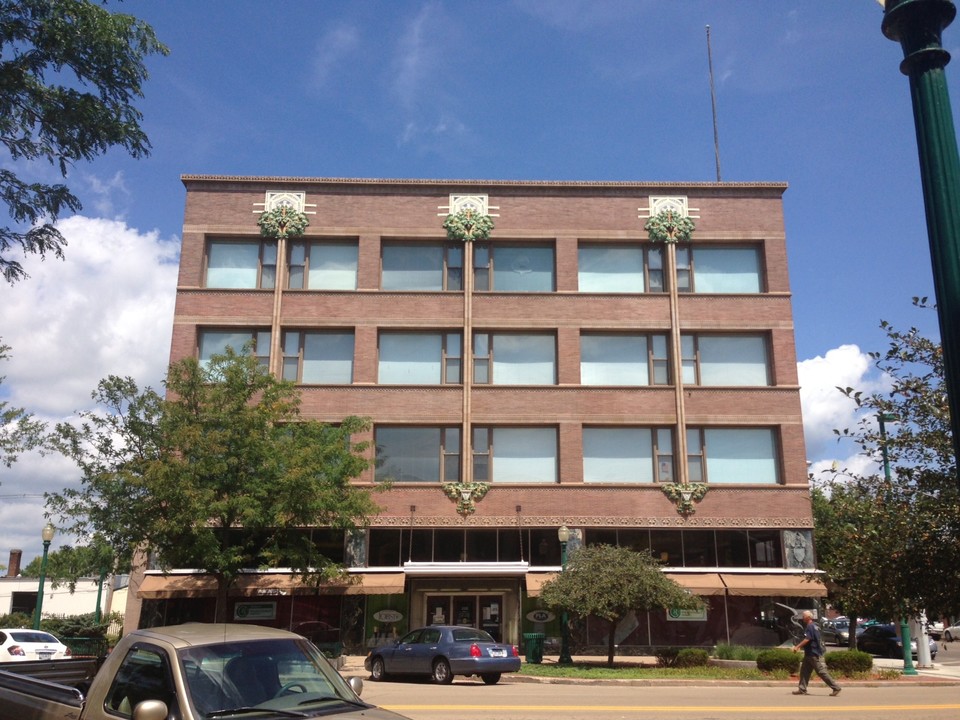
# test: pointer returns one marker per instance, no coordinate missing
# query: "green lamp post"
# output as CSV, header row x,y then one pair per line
x,y
917,25
563,535
882,419
47,535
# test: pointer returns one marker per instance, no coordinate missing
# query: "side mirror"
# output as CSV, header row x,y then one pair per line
x,y
356,684
150,710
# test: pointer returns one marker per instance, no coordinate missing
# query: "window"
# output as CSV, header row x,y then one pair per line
x,y
417,454
504,268
515,455
242,264
732,455
323,266
718,270
619,268
514,359
623,359
724,360
314,358
410,266
415,358
627,455
216,342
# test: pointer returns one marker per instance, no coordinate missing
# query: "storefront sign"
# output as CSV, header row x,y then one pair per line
x,y
255,611
540,616
388,616
687,615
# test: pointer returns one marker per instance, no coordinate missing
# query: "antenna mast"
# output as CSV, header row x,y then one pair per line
x,y
713,103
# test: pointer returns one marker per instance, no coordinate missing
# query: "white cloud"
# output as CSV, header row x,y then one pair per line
x,y
107,309
825,408
334,49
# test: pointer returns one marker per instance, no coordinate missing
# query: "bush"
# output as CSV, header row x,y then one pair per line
x,y
778,659
666,656
692,657
16,620
849,662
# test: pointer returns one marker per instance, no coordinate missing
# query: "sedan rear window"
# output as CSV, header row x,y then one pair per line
x,y
28,636
471,635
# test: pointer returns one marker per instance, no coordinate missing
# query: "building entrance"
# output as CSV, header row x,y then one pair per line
x,y
484,611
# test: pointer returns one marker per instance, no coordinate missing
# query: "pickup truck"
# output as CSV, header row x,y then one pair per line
x,y
195,671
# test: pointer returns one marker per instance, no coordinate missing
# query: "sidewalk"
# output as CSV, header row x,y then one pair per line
x,y
941,674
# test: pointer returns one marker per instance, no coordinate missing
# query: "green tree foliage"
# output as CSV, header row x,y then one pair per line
x,y
222,476
68,564
610,582
19,431
891,547
70,71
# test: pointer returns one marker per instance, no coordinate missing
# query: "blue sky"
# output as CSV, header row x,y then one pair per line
x,y
808,93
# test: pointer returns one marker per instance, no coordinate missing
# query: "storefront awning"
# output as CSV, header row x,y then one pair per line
x,y
162,587
535,582
773,584
699,583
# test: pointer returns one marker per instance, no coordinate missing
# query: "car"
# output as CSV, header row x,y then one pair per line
x,y
935,629
882,639
836,631
951,633
442,651
20,644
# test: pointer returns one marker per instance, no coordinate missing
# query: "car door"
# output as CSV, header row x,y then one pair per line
x,y
426,650
398,657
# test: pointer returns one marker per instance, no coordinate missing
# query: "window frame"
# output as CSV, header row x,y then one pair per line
x,y
653,280
258,338
307,246
658,365
698,454
487,359
661,459
694,362
489,452
447,459
686,264
484,265
301,346
450,280
266,246
447,359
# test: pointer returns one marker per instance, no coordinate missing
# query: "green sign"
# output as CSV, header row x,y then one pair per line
x,y
687,615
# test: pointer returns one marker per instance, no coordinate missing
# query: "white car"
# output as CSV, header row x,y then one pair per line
x,y
17,645
951,633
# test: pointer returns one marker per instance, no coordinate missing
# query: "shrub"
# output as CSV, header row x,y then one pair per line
x,y
666,656
849,662
735,652
692,657
778,659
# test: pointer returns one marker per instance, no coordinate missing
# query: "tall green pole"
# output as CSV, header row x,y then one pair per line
x,y
564,535
47,536
917,25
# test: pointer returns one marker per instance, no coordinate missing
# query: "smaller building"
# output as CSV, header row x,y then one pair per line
x,y
19,594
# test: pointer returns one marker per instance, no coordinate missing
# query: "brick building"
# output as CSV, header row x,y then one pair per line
x,y
615,358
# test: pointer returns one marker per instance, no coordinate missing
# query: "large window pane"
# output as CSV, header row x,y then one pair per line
x,y
412,267
411,358
524,359
610,269
233,264
614,360
524,455
408,454
333,266
617,455
733,360
327,358
522,269
726,270
740,455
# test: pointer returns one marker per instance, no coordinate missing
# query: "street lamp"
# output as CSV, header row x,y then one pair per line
x,y
47,535
918,25
882,419
563,535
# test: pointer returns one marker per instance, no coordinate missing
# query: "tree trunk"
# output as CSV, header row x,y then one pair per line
x,y
852,640
612,642
222,586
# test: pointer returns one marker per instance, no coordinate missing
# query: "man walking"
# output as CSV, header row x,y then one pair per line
x,y
812,657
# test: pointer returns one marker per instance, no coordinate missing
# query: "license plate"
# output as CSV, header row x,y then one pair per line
x,y
45,656
498,652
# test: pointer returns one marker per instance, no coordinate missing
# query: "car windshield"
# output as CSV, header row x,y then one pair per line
x,y
268,675
32,636
471,635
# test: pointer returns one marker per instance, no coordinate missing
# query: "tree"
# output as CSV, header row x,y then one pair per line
x,y
876,534
69,74
19,431
222,476
68,564
610,582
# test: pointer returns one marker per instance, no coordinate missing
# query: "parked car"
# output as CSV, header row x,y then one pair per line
x,y
951,633
935,629
836,631
883,640
19,645
442,651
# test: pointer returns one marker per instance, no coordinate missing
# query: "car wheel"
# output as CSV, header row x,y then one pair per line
x,y
947,636
441,672
490,678
377,670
